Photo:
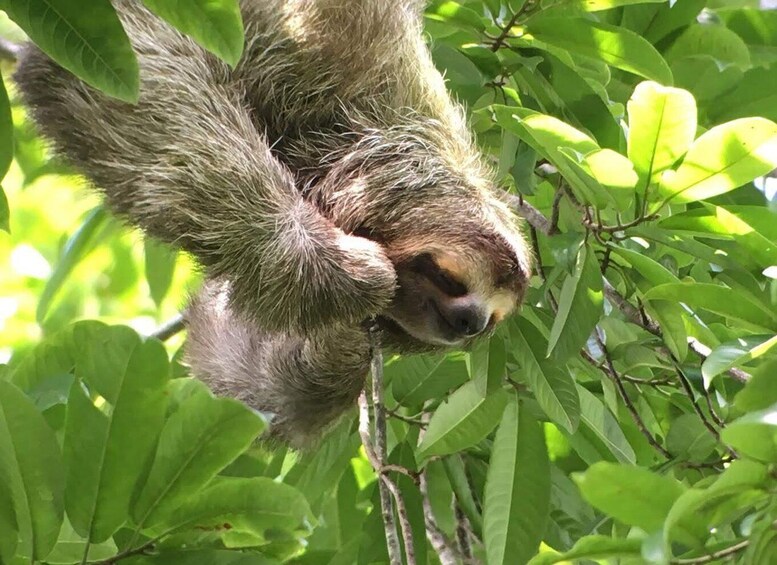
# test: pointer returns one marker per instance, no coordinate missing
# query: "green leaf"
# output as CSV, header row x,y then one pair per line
x,y
198,440
461,421
418,378
215,24
448,11
105,453
689,439
722,159
630,494
597,5
579,307
662,125
761,390
70,548
595,416
90,43
614,45
552,386
9,531
252,505
76,248
735,353
592,548
653,271
487,364
5,213
755,95
517,492
732,224
160,267
753,435
718,299
31,465
725,46
6,142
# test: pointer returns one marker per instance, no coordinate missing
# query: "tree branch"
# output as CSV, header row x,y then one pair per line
x,y
170,328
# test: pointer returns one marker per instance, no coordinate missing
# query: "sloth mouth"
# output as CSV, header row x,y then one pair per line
x,y
445,338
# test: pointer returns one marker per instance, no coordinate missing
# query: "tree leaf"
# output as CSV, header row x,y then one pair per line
x,y
9,532
592,548
5,213
553,387
487,364
418,378
753,435
725,46
735,353
731,224
690,439
630,494
81,242
579,307
160,267
761,390
724,158
106,453
198,440
601,422
89,43
217,25
718,299
662,125
461,421
517,493
6,141
31,465
252,505
614,45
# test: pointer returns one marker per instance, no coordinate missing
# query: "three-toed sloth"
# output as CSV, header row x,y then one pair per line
x,y
327,180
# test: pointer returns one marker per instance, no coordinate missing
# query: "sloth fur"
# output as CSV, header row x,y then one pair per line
x,y
307,182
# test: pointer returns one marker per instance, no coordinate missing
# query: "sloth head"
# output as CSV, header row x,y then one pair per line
x,y
462,263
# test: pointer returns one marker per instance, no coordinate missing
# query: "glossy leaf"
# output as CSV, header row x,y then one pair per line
x,y
462,420
761,390
716,298
595,416
487,364
614,45
592,548
735,353
89,43
753,435
415,379
722,159
517,493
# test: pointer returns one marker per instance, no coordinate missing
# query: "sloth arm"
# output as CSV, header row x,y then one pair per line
x,y
188,166
305,384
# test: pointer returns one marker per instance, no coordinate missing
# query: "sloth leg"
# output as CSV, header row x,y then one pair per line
x,y
305,383
187,164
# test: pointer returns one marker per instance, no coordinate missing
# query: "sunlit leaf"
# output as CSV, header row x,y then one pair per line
x,y
753,435
724,158
734,354
662,125
614,45
592,548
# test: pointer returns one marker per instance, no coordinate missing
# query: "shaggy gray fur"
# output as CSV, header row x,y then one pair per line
x,y
301,180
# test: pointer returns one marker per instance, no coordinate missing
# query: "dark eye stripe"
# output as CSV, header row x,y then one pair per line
x,y
425,265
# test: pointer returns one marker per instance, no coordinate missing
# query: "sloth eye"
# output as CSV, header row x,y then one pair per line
x,y
425,265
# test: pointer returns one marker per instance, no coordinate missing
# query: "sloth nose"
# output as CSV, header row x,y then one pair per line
x,y
467,319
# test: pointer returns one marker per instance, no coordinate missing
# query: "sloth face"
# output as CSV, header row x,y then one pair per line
x,y
450,296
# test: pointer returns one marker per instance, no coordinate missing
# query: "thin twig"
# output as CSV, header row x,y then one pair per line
x,y
528,212
141,549
170,328
709,558
404,520
462,533
703,351
528,5
686,384
599,227
443,546
615,377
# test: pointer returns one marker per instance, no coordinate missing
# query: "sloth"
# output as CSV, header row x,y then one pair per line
x,y
326,184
